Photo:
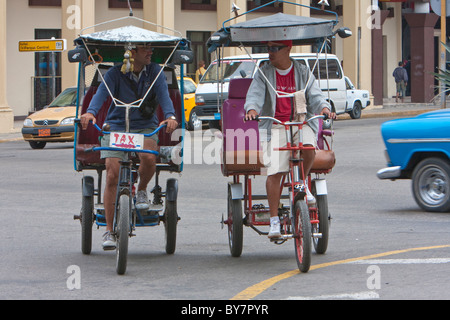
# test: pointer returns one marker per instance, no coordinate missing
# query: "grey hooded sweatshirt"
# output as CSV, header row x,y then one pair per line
x,y
262,98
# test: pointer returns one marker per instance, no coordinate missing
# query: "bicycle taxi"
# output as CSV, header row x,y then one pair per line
x,y
242,154
95,53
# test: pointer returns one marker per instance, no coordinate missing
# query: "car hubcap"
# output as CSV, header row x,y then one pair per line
x,y
434,186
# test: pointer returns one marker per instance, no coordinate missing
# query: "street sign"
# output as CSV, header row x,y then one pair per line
x,y
53,45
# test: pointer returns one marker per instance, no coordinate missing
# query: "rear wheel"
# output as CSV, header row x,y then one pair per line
x,y
170,224
302,234
87,218
122,233
171,215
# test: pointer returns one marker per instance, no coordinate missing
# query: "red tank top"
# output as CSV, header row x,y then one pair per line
x,y
285,83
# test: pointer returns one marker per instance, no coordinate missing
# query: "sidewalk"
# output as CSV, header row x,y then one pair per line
x,y
389,109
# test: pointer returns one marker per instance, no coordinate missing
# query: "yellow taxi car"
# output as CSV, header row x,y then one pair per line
x,y
192,121
55,123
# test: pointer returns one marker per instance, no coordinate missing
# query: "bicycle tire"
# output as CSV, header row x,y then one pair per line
x,y
122,233
302,234
235,226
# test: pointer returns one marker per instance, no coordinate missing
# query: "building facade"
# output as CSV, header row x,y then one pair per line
x,y
26,78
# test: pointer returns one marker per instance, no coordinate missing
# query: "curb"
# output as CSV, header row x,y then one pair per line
x,y
365,115
387,114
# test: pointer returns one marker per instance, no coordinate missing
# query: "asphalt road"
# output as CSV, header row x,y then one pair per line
x,y
382,246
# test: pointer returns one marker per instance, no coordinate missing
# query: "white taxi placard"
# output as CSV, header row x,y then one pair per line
x,y
123,140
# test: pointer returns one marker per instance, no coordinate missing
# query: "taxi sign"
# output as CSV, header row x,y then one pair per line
x,y
53,45
126,141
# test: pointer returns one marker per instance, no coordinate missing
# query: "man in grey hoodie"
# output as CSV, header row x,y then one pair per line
x,y
288,76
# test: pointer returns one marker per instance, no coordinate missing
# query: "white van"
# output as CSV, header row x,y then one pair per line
x,y
211,92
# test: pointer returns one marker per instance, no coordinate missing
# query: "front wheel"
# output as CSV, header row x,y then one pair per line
x,y
431,185
235,225
356,111
37,145
302,234
122,233
194,122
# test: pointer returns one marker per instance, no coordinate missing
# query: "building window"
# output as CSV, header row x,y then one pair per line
x,y
210,5
135,4
45,65
198,44
45,3
274,7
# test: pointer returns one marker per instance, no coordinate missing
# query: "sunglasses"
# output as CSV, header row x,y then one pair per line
x,y
275,49
145,49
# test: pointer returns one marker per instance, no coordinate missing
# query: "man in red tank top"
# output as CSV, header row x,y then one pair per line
x,y
285,82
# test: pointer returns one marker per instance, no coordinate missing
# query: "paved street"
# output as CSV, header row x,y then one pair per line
x,y
382,246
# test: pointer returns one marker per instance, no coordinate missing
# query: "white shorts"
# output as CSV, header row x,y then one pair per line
x,y
278,161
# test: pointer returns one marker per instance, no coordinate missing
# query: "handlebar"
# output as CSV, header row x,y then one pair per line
x,y
290,123
95,149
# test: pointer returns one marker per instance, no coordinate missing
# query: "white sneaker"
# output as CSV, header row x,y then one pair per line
x,y
109,241
274,231
310,198
142,200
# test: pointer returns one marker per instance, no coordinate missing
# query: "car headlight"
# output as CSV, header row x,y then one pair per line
x,y
199,100
28,122
68,121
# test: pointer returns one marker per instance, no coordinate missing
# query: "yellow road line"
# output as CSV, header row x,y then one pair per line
x,y
259,288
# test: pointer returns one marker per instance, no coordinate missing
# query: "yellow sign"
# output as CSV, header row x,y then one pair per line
x,y
57,45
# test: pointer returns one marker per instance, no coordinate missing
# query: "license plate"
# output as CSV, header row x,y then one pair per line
x,y
44,132
122,140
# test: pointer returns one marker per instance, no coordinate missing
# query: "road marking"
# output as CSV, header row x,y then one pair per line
x,y
402,261
259,288
366,295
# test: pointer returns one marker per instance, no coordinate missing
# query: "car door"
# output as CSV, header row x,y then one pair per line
x,y
351,94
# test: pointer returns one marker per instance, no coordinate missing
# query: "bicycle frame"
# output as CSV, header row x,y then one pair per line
x,y
126,176
297,178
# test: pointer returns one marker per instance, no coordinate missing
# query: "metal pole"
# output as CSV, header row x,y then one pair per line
x,y
53,62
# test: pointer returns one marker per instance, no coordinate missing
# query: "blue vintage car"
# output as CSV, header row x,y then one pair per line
x,y
419,149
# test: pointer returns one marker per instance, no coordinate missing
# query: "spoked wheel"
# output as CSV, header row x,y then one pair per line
x,y
87,216
122,233
171,216
235,225
302,233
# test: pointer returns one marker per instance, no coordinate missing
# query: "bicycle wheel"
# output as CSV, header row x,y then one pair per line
x,y
122,233
235,225
87,216
302,234
170,224
321,244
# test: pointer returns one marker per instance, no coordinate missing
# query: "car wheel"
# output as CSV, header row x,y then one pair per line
x,y
37,144
431,185
194,122
357,110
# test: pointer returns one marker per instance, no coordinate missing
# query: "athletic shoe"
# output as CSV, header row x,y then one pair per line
x,y
109,241
142,200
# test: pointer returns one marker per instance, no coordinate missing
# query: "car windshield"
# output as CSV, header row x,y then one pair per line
x,y
189,87
66,98
230,69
